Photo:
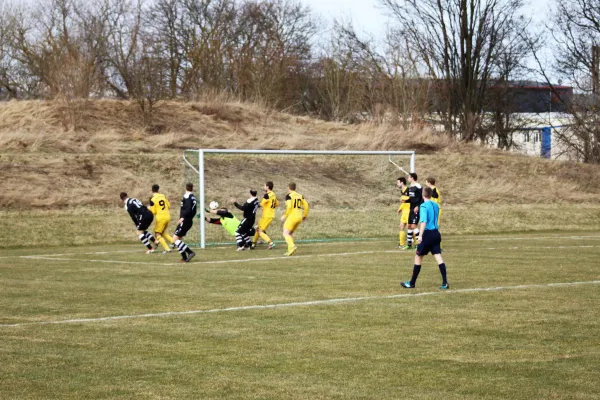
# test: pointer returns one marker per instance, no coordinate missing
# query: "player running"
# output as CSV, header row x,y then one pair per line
x,y
296,211
403,210
142,218
268,203
186,220
429,240
161,208
436,196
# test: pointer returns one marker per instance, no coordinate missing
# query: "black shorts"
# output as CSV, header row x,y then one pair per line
x,y
245,227
413,218
144,221
184,227
432,243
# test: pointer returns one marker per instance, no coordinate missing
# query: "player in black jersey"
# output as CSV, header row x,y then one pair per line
x,y
246,230
142,218
415,192
186,220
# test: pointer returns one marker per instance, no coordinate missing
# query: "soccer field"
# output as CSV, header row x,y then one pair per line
x,y
521,321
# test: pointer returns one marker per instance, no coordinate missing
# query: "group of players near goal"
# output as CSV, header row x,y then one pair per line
x,y
419,212
246,235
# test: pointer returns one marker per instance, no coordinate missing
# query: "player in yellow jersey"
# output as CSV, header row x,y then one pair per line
x,y
268,203
296,211
161,208
403,210
436,197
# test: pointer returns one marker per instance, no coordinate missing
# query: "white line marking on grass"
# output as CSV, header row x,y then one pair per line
x,y
531,247
74,254
295,257
88,254
97,261
299,304
488,239
491,239
242,260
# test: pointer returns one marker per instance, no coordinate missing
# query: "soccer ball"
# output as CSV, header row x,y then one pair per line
x,y
213,205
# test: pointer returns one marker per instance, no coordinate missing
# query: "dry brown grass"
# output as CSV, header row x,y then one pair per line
x,y
114,126
105,150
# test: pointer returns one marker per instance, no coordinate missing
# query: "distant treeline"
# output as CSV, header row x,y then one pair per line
x,y
439,59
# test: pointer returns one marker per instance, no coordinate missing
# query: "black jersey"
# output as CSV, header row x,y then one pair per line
x,y
249,208
136,210
223,213
188,206
415,192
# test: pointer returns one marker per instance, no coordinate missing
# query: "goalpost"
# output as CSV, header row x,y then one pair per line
x,y
193,156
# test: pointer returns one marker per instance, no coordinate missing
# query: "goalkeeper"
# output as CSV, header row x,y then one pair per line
x,y
226,219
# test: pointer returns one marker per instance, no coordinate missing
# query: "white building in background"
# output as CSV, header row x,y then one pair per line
x,y
539,118
539,136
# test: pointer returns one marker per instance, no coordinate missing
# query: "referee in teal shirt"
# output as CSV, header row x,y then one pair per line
x,y
430,240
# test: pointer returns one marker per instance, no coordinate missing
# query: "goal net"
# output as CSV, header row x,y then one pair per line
x,y
352,194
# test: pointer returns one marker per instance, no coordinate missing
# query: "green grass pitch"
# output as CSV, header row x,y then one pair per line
x,y
521,321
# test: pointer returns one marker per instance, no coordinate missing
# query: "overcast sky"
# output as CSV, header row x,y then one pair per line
x,y
368,16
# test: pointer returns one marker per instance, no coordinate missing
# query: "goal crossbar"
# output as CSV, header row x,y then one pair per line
x,y
202,152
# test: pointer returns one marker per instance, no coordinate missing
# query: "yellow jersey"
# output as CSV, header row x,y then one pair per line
x,y
404,200
295,204
160,206
436,196
269,203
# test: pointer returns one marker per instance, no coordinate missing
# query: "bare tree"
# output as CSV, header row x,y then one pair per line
x,y
576,31
123,46
272,49
503,118
149,77
167,21
409,91
7,29
51,46
206,36
459,43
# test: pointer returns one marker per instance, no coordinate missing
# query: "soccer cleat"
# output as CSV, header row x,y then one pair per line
x,y
445,286
240,249
166,251
190,256
407,247
291,252
182,261
149,251
407,285
253,247
271,246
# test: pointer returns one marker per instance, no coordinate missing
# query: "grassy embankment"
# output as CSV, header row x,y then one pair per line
x,y
62,167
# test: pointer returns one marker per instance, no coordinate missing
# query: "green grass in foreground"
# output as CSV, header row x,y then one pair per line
x,y
520,343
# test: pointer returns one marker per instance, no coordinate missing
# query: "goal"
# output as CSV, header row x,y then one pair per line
x,y
352,194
